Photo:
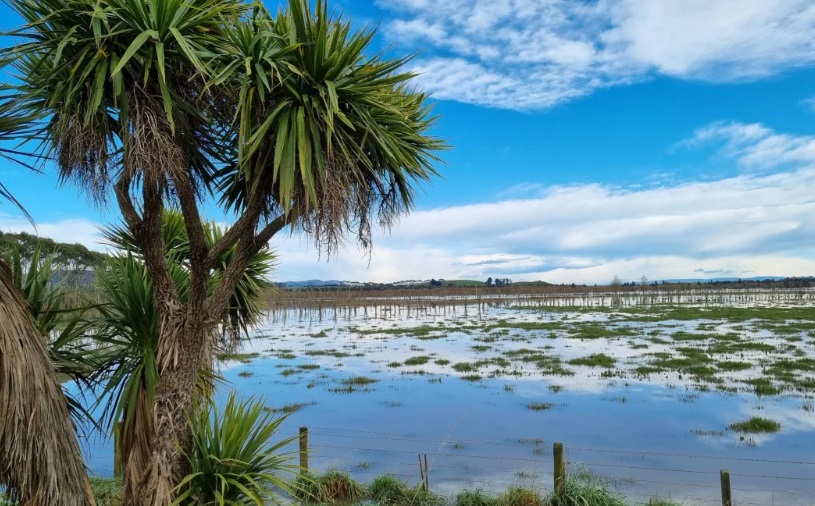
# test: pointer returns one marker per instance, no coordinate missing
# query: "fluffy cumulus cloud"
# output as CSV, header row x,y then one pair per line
x,y
531,54
756,223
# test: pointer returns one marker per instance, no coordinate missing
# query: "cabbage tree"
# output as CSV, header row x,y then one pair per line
x,y
287,121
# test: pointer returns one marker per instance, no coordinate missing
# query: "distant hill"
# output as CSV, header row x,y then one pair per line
x,y
309,283
411,283
726,280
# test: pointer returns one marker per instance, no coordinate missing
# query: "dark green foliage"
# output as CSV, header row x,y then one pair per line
x,y
238,458
106,491
64,256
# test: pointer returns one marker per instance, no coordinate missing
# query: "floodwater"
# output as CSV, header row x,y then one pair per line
x,y
665,433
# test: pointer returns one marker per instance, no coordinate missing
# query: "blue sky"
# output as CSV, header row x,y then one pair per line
x,y
671,139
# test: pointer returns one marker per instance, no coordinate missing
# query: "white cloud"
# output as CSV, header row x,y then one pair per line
x,y
756,146
756,223
752,224
537,53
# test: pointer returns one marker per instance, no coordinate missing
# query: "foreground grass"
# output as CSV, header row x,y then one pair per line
x,y
339,488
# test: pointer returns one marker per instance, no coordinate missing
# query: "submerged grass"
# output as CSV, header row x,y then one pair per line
x,y
239,357
540,406
359,381
595,360
756,425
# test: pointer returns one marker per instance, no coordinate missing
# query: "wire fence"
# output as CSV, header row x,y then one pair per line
x,y
639,475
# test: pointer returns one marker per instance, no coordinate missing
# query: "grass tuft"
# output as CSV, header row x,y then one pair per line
x,y
540,406
333,487
756,425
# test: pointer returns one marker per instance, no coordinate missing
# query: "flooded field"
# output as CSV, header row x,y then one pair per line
x,y
654,396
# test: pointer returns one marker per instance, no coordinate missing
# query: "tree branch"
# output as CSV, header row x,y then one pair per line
x,y
131,216
241,228
150,239
248,245
197,239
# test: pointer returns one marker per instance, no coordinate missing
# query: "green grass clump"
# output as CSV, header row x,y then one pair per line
x,y
586,490
442,361
240,357
106,491
388,490
520,496
540,406
645,370
463,367
756,425
476,498
246,374
333,487
420,360
729,365
359,381
595,360
661,501
599,331
763,386
290,408
688,336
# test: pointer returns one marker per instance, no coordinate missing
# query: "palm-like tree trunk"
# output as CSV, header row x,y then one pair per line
x,y
177,395
40,459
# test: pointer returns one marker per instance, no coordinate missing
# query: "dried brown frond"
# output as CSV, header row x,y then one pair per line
x,y
136,439
84,155
152,150
40,460
350,202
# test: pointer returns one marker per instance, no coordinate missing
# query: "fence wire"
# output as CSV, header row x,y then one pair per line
x,y
458,464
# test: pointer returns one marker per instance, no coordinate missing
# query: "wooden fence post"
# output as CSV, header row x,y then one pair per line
x,y
426,474
560,470
727,499
304,450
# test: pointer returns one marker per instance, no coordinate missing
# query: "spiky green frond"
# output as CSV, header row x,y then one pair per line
x,y
238,457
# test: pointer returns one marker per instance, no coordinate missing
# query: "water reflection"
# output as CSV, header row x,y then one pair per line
x,y
663,434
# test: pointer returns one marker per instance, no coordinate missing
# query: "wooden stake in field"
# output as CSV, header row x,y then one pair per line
x,y
727,499
560,469
424,472
304,450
